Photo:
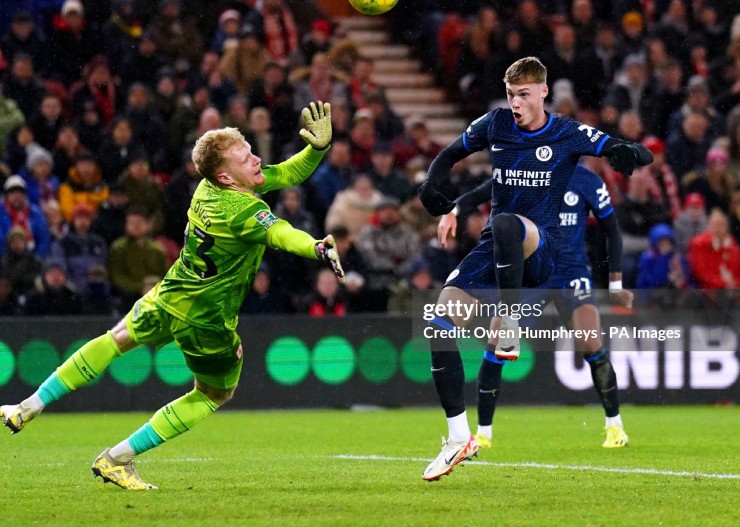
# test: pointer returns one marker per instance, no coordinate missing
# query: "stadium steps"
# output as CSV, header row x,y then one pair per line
x,y
410,90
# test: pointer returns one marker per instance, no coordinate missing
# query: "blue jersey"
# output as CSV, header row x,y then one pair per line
x,y
585,193
532,169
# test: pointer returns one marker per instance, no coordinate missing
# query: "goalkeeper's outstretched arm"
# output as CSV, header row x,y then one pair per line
x,y
283,236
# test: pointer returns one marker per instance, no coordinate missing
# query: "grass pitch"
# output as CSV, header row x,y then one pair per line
x,y
309,468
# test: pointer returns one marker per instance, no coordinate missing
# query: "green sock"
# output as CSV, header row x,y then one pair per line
x,y
88,362
183,414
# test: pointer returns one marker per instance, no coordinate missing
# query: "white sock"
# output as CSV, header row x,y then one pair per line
x,y
33,405
122,452
458,427
614,421
485,431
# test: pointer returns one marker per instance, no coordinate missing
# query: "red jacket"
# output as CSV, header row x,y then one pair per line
x,y
706,258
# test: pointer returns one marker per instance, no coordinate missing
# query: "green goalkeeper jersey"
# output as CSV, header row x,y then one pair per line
x,y
225,239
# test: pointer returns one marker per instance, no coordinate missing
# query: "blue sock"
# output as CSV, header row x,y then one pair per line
x,y
52,389
145,438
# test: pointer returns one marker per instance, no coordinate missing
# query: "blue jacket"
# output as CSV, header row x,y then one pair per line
x,y
39,228
654,267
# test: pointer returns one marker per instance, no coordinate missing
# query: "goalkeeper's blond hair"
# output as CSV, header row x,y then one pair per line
x,y
208,152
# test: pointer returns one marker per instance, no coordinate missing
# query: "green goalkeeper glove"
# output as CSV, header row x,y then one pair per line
x,y
326,250
318,125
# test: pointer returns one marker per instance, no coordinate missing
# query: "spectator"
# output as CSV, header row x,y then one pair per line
x,y
146,125
495,66
637,214
46,123
110,218
735,215
388,125
416,216
186,117
262,298
317,40
321,85
98,92
726,78
23,37
631,41
237,114
144,194
142,63
8,298
73,41
416,147
326,299
361,84
16,211
17,146
714,255
583,19
389,250
634,92
11,117
673,29
354,267
42,185
332,176
630,126
385,177
90,127
714,182
687,148
166,96
118,150
478,44
401,293
697,99
355,207
281,32
80,250
530,22
66,150
669,95
264,143
262,91
341,120
84,185
661,266
561,59
691,221
244,61
177,196
177,36
227,32
18,262
121,32
210,77
732,140
362,139
54,294
210,119
664,186
58,227
97,296
290,208
133,257
24,86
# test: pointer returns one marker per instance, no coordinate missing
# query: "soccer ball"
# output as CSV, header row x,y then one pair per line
x,y
373,7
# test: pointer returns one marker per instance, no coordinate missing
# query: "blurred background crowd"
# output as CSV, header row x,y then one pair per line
x,y
101,102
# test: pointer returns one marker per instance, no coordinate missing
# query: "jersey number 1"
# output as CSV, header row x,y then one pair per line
x,y
206,242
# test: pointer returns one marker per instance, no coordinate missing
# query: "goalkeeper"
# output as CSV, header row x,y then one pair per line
x,y
197,302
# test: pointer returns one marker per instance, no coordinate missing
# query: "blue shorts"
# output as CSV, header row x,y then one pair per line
x,y
476,274
568,289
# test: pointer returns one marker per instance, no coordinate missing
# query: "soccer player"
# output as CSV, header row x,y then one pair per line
x,y
197,302
569,287
534,155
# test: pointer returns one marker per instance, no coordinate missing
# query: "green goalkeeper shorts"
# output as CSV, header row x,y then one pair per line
x,y
214,357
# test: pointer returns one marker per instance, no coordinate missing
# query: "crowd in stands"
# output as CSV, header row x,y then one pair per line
x,y
101,102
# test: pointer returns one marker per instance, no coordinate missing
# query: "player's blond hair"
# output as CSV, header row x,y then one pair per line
x,y
527,70
208,152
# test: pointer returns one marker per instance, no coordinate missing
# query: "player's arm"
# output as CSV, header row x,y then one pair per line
x,y
463,205
296,169
439,171
625,156
610,226
283,236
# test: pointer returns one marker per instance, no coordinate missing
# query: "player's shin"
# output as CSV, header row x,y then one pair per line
x,y
605,381
449,377
489,386
508,235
